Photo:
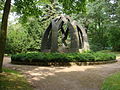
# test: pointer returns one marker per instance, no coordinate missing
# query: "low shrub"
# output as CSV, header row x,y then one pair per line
x,y
62,57
99,56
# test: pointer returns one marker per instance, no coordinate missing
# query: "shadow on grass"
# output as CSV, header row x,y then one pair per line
x,y
12,80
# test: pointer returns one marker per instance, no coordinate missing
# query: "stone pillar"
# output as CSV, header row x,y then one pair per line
x,y
45,38
86,46
74,37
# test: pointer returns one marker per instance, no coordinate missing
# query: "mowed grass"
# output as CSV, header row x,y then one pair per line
x,y
112,82
13,80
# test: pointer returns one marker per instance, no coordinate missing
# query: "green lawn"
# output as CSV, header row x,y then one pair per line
x,y
112,82
13,80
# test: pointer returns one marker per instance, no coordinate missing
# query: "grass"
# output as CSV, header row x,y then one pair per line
x,y
112,82
13,80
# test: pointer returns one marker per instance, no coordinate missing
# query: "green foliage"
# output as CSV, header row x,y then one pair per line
x,y
114,27
34,31
111,52
25,37
101,21
102,24
98,32
33,7
104,29
1,4
103,56
27,8
62,57
112,82
114,38
36,8
17,40
74,6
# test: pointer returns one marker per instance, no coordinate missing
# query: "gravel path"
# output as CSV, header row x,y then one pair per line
x,y
66,78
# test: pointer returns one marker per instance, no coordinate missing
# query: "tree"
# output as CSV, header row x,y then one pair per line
x,y
102,22
98,28
33,7
114,25
1,4
3,30
74,6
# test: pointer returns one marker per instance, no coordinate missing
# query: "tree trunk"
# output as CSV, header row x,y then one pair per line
x,y
3,31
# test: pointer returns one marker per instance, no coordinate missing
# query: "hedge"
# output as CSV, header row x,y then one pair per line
x,y
62,57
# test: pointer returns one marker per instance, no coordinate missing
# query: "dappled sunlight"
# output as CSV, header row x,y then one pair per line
x,y
9,80
46,43
75,68
34,74
40,73
118,57
73,76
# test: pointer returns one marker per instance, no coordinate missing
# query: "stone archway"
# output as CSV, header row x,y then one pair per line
x,y
78,35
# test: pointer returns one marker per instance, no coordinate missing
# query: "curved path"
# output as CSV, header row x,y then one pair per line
x,y
66,78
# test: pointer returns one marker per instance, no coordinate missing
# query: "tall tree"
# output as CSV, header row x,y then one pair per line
x,y
3,30
114,25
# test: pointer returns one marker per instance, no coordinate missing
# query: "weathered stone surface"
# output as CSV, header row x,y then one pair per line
x,y
78,36
85,38
44,42
74,37
54,42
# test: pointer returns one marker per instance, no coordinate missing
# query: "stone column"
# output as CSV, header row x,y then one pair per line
x,y
74,37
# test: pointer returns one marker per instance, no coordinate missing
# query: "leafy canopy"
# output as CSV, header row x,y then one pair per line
x,y
33,7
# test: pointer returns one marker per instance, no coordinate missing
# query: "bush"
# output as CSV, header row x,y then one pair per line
x,y
25,37
99,56
62,57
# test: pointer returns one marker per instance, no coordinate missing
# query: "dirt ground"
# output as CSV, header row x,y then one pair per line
x,y
66,78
